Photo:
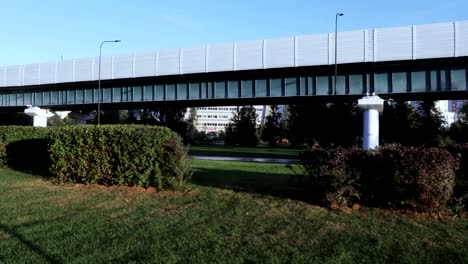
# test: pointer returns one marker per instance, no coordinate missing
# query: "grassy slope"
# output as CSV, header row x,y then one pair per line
x,y
43,222
253,152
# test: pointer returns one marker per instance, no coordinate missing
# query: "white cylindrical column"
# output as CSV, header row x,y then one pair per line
x,y
371,129
372,106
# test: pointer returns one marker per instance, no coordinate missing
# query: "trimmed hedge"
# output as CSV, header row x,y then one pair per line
x,y
119,155
24,147
406,177
461,182
3,155
11,134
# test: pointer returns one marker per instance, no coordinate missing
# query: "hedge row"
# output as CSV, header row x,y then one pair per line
x,y
111,155
123,155
406,177
24,147
3,155
461,181
11,134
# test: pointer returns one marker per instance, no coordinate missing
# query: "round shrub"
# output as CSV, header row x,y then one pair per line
x,y
406,177
422,178
119,155
332,177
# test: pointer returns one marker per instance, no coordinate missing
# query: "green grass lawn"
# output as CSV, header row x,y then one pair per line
x,y
233,213
252,152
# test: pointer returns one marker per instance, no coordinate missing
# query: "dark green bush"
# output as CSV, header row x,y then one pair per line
x,y
119,155
332,178
24,147
461,181
10,134
3,155
405,177
422,178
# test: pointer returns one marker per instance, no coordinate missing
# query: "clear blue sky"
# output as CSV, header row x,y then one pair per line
x,y
40,31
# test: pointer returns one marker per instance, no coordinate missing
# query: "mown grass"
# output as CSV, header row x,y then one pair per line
x,y
228,216
262,151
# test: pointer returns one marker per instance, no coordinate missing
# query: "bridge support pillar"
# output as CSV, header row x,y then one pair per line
x,y
372,106
40,115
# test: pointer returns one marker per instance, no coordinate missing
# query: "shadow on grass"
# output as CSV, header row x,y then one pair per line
x,y
11,231
278,185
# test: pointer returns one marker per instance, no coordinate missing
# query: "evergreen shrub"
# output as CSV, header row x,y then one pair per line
x,y
3,156
129,155
24,147
332,179
461,181
405,177
421,178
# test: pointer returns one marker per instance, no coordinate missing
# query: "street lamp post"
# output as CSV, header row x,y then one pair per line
x,y
336,50
99,80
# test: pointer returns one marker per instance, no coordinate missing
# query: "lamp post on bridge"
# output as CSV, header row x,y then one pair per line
x,y
336,50
99,79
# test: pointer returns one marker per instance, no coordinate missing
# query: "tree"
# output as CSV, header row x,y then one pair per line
x,y
192,132
114,117
242,127
399,123
299,125
273,128
56,121
338,124
429,126
16,119
458,131
170,117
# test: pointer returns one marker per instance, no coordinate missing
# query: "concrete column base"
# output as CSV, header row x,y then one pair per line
x,y
40,115
40,121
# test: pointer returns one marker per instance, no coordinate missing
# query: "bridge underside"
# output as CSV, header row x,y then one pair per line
x,y
436,79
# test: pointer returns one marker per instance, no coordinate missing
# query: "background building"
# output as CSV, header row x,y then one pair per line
x,y
216,118
449,113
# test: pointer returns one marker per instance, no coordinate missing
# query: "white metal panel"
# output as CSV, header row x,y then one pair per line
x,y
350,47
123,66
30,74
83,70
193,60
434,41
393,44
461,38
2,76
64,71
331,48
369,45
47,73
13,75
144,64
106,68
312,50
279,53
249,55
168,62
220,57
